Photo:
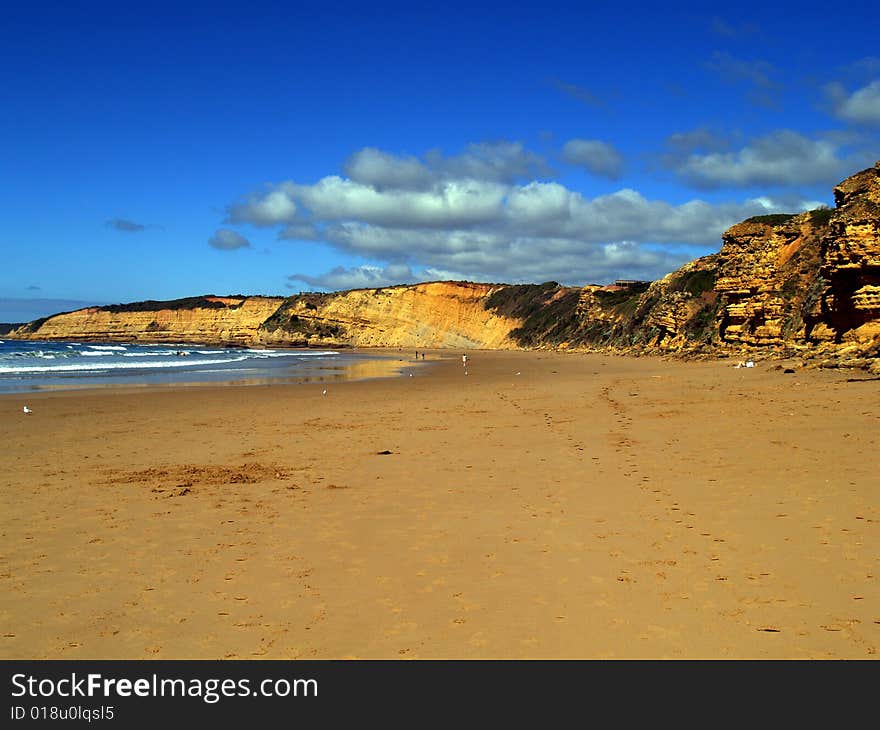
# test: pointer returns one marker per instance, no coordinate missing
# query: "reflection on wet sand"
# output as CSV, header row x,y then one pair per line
x,y
360,370
354,367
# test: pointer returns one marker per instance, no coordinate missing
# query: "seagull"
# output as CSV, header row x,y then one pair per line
x,y
26,410
325,392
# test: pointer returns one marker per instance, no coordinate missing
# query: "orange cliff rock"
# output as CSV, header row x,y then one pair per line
x,y
813,278
851,258
768,281
438,314
207,320
807,284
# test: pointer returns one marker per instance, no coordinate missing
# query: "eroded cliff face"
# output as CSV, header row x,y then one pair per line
x,y
769,282
437,314
807,283
232,320
440,314
675,313
851,259
812,280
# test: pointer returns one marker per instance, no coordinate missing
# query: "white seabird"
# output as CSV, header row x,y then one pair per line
x,y
26,410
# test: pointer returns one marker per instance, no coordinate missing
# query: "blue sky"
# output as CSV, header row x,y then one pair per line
x,y
268,148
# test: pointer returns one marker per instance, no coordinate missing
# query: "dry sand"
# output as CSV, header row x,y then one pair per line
x,y
587,507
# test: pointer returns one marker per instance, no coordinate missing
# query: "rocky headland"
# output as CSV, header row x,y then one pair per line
x,y
804,286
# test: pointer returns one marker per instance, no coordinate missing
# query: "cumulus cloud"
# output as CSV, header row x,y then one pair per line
x,y
228,240
551,213
862,106
487,229
371,166
499,257
452,203
437,191
358,277
503,162
126,226
599,158
276,206
367,276
780,158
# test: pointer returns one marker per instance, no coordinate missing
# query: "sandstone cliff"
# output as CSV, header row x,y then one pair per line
x,y
233,320
805,284
436,314
851,259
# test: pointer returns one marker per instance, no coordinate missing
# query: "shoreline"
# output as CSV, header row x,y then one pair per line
x,y
353,364
223,343
546,505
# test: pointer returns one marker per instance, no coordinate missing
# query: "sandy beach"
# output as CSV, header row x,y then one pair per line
x,y
542,506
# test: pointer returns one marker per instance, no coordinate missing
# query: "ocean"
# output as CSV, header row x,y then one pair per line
x,y
32,366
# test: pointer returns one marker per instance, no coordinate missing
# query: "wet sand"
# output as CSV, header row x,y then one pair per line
x,y
542,506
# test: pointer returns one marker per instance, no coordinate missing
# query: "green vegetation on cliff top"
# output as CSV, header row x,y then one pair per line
x,y
151,305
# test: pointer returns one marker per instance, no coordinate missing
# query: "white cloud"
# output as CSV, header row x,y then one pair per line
x,y
861,106
367,276
358,277
539,204
503,162
227,240
379,169
463,189
597,157
780,158
452,203
490,230
499,162
274,207
558,234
